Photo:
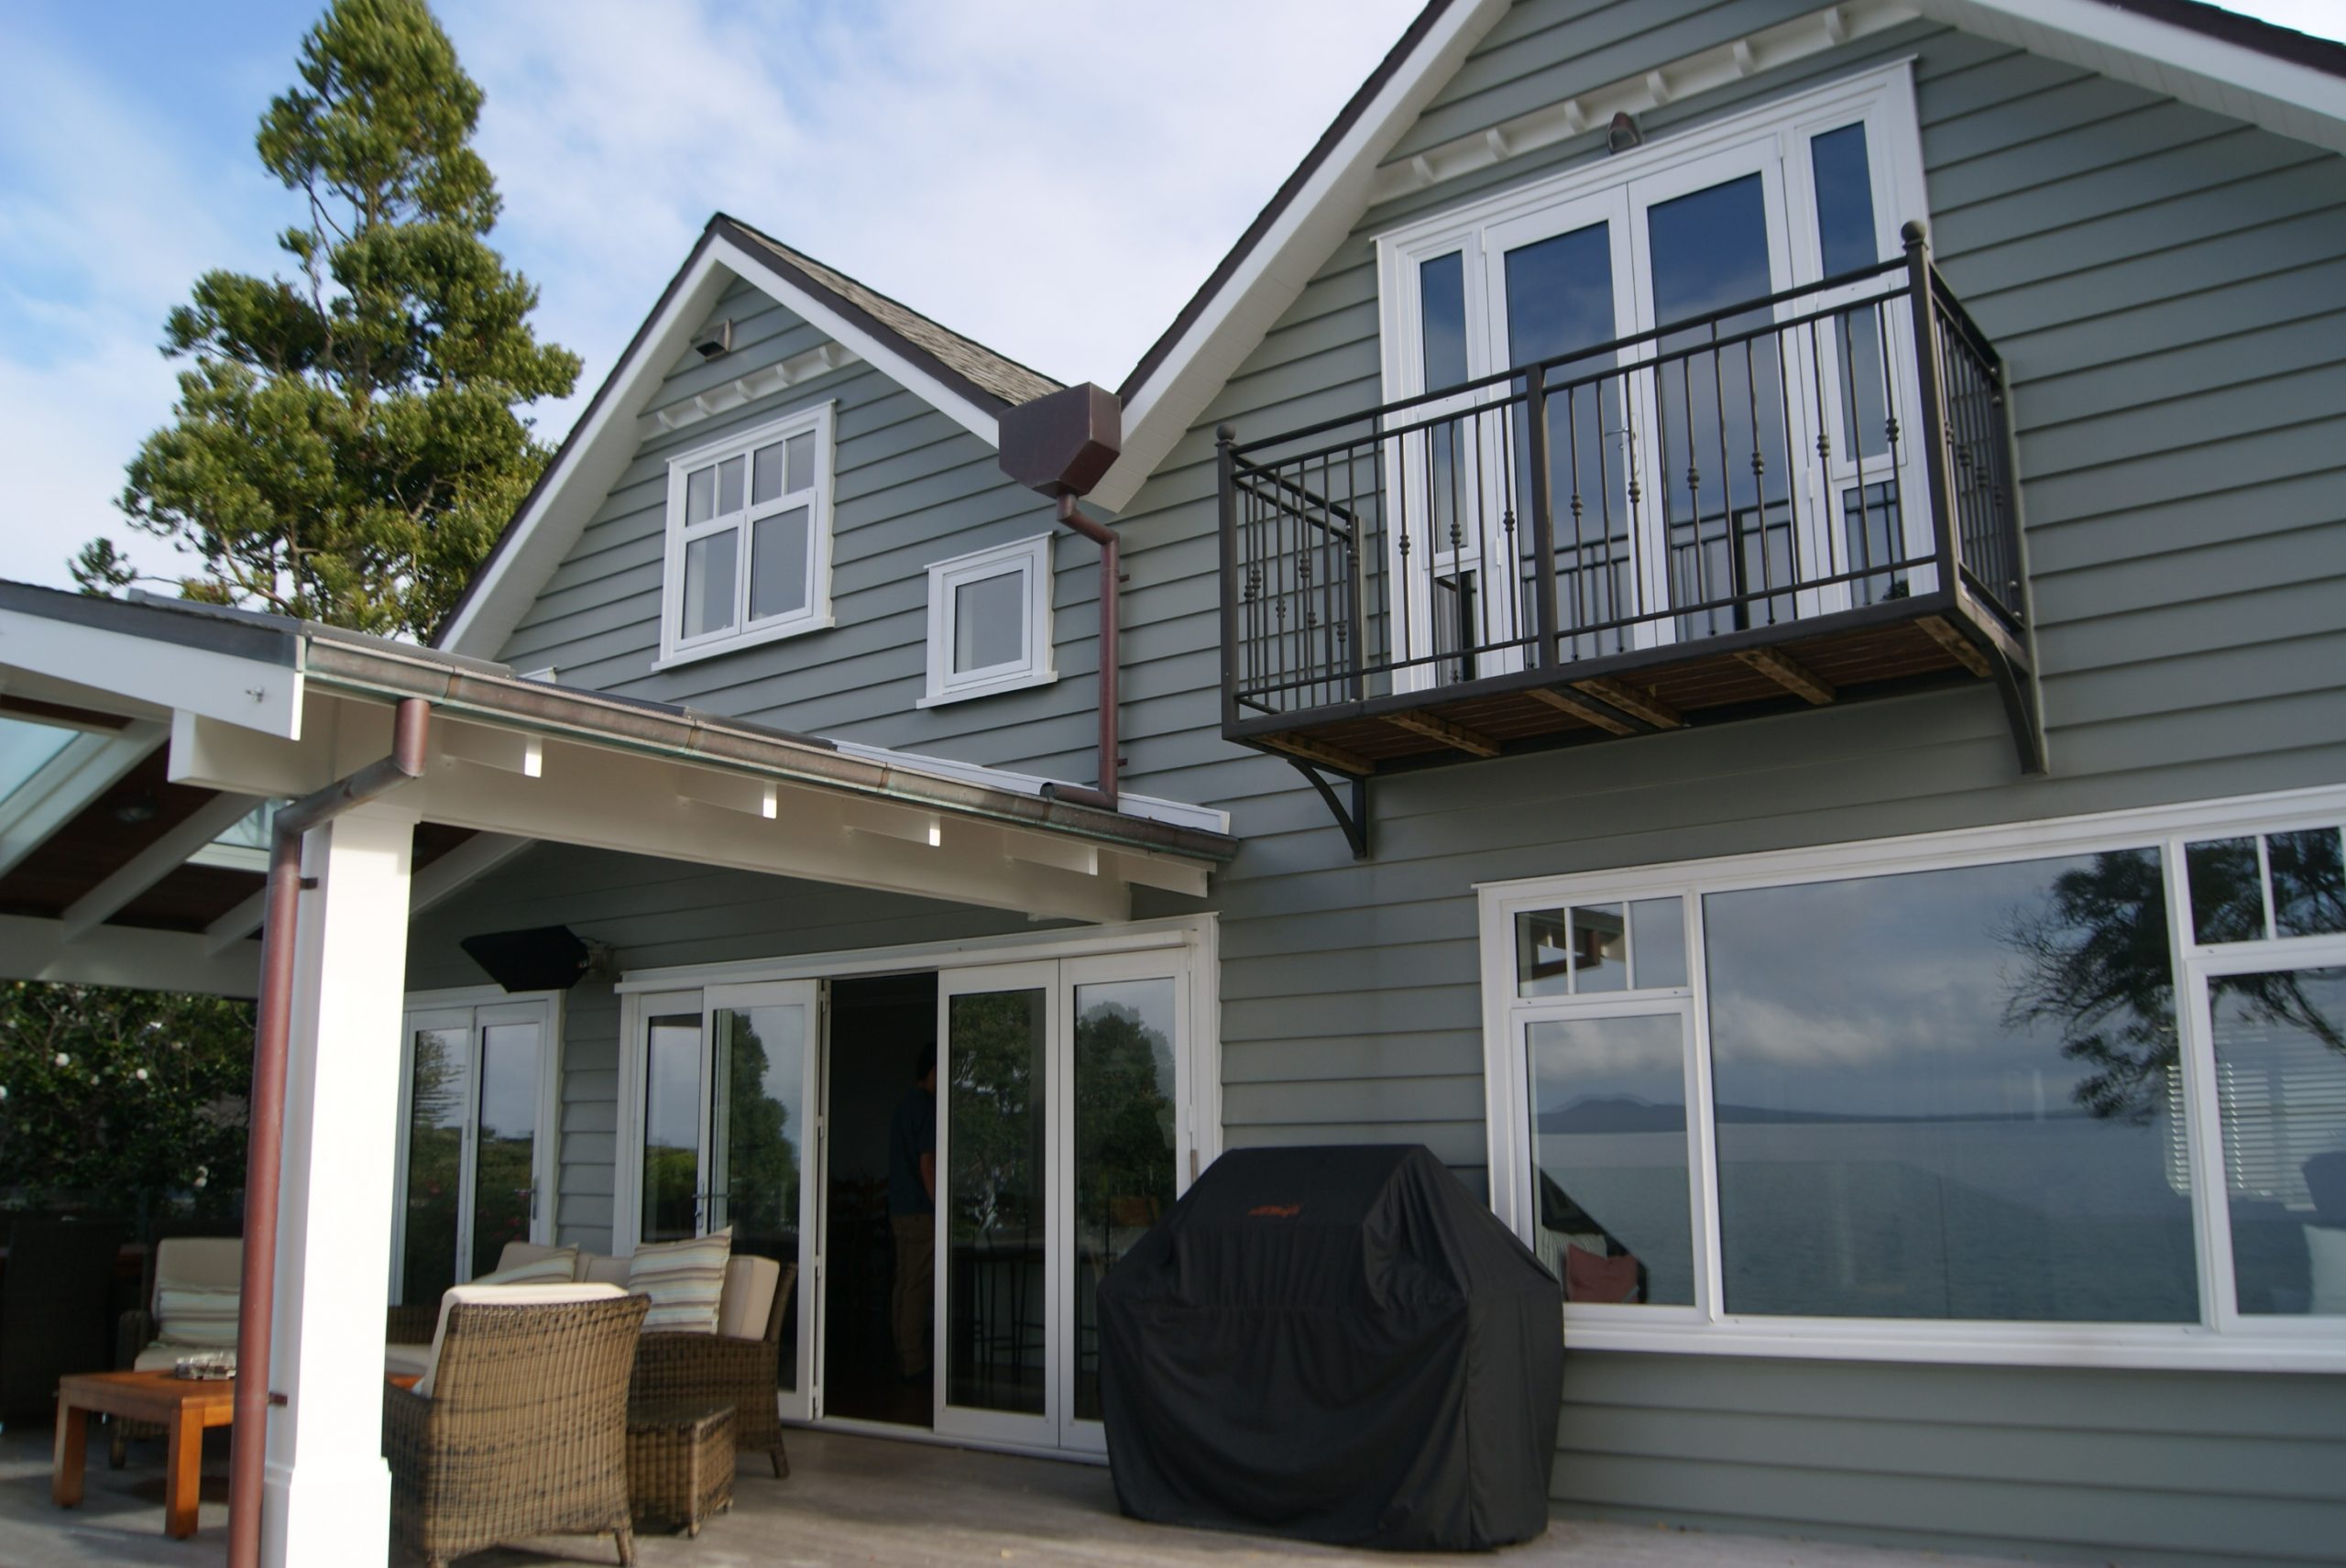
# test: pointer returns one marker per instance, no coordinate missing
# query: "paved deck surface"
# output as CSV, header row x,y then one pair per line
x,y
868,1503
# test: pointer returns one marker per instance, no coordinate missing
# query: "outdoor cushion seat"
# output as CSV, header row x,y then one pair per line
x,y
519,1429
407,1360
191,1307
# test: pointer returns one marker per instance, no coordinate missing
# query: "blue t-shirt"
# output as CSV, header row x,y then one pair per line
x,y
912,1133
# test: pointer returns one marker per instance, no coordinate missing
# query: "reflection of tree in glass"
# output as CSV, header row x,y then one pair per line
x,y
436,1153
1124,1119
994,1085
2096,968
761,1161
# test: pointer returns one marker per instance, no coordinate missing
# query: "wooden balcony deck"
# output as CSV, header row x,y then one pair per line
x,y
873,1504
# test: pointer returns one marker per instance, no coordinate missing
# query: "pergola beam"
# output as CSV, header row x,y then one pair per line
x,y
155,862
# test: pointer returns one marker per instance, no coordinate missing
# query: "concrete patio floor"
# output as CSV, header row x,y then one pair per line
x,y
861,1501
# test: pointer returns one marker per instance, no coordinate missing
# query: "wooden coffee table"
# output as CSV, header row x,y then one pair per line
x,y
182,1405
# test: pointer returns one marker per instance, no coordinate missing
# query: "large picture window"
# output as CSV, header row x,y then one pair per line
x,y
2063,1092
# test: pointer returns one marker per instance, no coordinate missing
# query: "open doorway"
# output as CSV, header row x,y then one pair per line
x,y
881,1028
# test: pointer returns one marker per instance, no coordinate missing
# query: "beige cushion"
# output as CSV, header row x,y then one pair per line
x,y
210,1262
560,1268
601,1269
504,1296
196,1315
683,1280
517,1254
159,1357
749,1296
409,1360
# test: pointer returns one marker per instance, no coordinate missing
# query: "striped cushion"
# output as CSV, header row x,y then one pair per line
x,y
683,1280
195,1314
556,1267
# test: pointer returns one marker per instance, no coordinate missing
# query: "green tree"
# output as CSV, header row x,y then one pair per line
x,y
347,444
131,1102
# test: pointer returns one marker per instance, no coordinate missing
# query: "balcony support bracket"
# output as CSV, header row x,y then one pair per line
x,y
2018,688
1352,816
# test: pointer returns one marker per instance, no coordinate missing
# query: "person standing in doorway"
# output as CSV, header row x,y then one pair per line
x,y
912,1214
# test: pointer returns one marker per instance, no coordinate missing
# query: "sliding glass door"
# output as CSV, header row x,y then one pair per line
x,y
729,1118
1059,1141
476,1144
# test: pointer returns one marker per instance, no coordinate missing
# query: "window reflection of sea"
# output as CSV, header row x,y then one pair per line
x,y
2062,1218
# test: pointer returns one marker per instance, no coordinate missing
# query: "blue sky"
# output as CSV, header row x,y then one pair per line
x,y
986,163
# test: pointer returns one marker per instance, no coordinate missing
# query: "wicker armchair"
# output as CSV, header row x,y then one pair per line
x,y
524,1431
717,1369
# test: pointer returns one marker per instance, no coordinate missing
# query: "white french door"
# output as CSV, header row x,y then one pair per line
x,y
477,1136
728,1112
1061,1138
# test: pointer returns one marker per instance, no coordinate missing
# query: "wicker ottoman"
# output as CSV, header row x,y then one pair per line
x,y
679,1463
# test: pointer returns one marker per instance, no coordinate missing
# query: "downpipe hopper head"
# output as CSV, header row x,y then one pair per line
x,y
1063,442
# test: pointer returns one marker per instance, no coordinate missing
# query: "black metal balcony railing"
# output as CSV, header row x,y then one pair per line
x,y
1835,456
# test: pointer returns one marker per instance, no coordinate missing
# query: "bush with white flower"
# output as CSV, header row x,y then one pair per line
x,y
121,1103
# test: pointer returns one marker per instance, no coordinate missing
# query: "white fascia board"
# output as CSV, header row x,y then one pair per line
x,y
2280,95
244,692
1176,813
123,955
881,353
589,465
1276,271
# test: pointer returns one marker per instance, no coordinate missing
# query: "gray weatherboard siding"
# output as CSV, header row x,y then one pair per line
x,y
2166,287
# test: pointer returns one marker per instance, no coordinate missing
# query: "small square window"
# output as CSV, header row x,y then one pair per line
x,y
749,556
990,622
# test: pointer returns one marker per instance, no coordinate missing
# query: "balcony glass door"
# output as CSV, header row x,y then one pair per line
x,y
1559,275
1711,235
1058,1146
474,1088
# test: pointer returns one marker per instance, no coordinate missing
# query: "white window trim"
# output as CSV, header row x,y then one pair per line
x,y
820,418
1029,557
2221,1340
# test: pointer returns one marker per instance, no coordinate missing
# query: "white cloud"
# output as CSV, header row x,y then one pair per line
x,y
110,216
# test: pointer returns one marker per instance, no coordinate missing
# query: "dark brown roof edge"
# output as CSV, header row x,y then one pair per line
x,y
1283,198
916,352
585,417
2265,38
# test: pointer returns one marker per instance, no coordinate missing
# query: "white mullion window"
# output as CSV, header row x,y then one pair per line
x,y
990,622
749,551
2057,1093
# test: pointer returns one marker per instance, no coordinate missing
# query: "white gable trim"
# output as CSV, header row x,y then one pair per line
x,y
601,450
2279,95
2207,73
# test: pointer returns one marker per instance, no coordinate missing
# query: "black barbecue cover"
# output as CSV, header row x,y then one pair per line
x,y
1338,1344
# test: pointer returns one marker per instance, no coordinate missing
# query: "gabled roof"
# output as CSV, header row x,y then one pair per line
x,y
960,378
2271,76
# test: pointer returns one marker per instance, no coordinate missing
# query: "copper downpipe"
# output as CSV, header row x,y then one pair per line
x,y
1111,585
264,1139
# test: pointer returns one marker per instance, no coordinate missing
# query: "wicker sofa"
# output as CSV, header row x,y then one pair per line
x,y
148,1339
519,1426
737,1365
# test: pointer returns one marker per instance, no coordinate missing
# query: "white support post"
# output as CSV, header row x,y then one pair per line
x,y
328,1492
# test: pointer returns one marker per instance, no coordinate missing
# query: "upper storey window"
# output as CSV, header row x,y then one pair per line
x,y
749,538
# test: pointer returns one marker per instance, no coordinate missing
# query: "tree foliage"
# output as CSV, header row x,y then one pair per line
x,y
347,444
127,1101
